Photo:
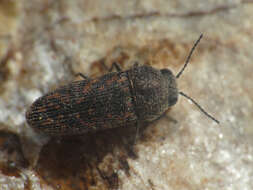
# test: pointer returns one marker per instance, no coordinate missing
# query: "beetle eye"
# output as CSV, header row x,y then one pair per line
x,y
166,72
173,100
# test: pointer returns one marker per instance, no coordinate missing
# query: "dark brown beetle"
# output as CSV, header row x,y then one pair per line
x,y
116,99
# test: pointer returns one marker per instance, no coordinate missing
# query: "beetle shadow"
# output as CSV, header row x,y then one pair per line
x,y
153,133
79,160
102,153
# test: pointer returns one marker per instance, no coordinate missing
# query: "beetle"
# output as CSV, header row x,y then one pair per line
x,y
116,99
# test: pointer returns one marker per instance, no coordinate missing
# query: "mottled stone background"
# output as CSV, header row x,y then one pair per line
x,y
43,44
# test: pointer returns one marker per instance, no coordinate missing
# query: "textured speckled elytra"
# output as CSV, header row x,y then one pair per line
x,y
116,99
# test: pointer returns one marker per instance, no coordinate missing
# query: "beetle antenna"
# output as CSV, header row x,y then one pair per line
x,y
201,109
189,56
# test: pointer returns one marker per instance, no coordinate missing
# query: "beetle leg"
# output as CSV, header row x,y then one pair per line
x,y
136,64
137,131
82,75
116,66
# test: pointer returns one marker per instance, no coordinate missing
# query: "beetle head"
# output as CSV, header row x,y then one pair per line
x,y
172,86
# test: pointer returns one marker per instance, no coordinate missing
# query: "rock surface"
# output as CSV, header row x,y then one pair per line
x,y
43,44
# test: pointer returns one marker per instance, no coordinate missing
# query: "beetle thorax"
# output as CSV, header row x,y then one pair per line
x,y
153,93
